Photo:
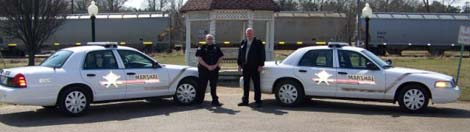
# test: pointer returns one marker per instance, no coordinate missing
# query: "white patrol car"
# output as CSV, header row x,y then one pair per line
x,y
345,72
72,78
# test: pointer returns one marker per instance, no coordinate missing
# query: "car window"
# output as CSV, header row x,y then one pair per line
x,y
317,58
57,59
352,60
103,59
376,59
132,59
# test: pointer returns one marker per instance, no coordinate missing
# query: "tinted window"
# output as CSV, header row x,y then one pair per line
x,y
352,60
132,59
57,59
100,60
317,58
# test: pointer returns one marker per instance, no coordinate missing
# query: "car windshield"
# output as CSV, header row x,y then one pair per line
x,y
376,59
57,59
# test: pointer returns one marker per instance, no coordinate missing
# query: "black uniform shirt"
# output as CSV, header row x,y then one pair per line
x,y
209,53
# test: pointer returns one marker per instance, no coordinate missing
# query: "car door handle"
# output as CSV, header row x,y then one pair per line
x,y
130,73
343,73
90,75
303,71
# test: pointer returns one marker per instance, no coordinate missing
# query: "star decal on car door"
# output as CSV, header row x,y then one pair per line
x,y
111,79
323,76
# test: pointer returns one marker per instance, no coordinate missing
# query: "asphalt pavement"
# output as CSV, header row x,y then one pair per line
x,y
164,116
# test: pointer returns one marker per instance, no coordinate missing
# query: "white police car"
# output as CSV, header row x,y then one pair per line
x,y
72,78
345,72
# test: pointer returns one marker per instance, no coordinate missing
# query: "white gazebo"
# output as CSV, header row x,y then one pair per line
x,y
212,11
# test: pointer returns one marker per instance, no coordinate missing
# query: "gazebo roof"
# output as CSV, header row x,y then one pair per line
x,y
200,5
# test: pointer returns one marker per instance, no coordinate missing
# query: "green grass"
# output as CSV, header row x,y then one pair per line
x,y
176,57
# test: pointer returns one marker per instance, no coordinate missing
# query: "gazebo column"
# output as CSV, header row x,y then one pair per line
x,y
250,19
188,42
212,24
269,47
212,27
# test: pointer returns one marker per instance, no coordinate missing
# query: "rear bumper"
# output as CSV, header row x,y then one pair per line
x,y
23,96
447,95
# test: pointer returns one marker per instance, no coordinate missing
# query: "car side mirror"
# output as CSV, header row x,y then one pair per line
x,y
156,65
371,66
389,62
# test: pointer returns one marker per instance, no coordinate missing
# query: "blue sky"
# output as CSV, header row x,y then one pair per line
x,y
141,3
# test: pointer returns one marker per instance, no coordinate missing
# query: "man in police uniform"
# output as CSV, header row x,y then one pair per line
x,y
209,57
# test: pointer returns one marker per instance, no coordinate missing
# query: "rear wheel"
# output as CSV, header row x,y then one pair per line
x,y
289,93
74,101
186,92
413,98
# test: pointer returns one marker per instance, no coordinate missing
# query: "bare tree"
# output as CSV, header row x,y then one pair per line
x,y
466,7
287,5
157,5
32,21
81,5
113,5
426,5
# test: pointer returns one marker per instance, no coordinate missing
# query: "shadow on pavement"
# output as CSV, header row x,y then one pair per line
x,y
331,106
102,112
136,109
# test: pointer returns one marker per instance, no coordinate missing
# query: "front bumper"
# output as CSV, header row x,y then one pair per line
x,y
446,95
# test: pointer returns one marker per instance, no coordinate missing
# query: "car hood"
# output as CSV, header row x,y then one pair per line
x,y
436,75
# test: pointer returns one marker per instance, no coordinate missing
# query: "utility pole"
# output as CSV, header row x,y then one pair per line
x,y
358,26
72,5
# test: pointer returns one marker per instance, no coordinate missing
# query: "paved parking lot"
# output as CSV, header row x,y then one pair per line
x,y
164,115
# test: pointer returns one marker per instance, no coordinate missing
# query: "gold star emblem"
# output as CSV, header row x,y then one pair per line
x,y
111,79
323,77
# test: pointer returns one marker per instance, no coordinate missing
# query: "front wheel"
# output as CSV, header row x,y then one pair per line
x,y
289,93
74,101
413,98
186,92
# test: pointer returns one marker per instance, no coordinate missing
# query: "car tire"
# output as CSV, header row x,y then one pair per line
x,y
186,92
289,93
413,98
74,101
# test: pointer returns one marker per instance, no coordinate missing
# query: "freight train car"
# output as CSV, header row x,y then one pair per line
x,y
395,32
135,30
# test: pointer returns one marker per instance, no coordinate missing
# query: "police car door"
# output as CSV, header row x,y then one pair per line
x,y
101,71
317,72
145,78
356,79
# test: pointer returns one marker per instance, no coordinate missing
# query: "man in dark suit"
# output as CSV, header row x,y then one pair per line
x,y
251,57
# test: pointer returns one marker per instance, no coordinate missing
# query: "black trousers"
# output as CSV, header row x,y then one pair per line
x,y
206,76
251,75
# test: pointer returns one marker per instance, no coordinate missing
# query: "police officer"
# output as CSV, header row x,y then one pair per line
x,y
209,57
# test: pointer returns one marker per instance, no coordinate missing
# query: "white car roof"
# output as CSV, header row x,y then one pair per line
x,y
94,47
294,57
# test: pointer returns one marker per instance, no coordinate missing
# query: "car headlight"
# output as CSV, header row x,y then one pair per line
x,y
443,84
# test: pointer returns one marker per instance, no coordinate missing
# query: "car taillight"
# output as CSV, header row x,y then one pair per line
x,y
19,81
